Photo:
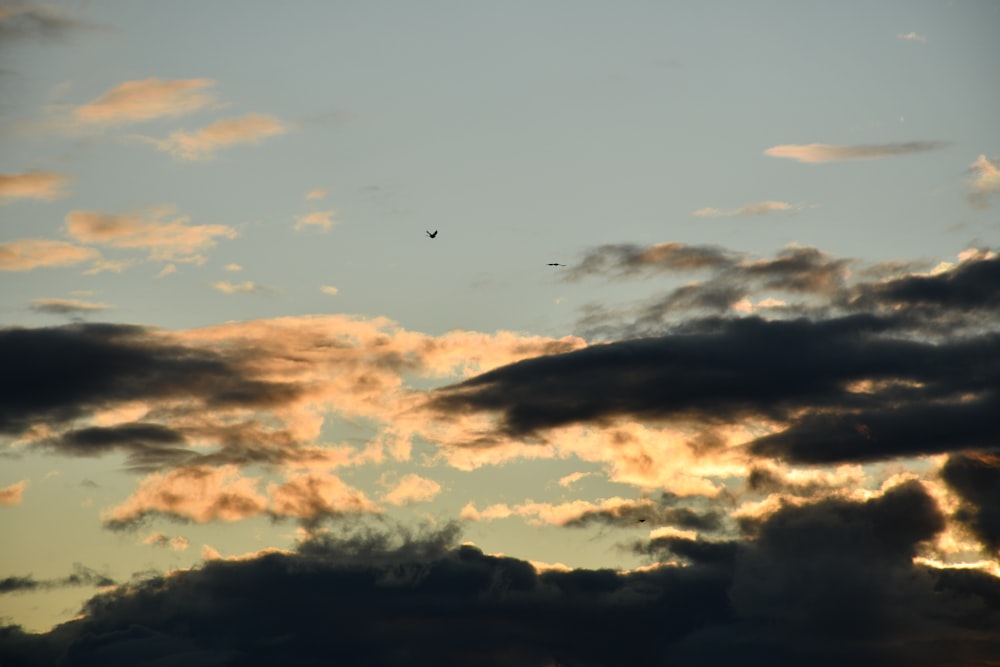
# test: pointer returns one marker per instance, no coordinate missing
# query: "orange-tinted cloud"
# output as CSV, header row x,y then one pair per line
x,y
202,144
33,184
413,489
816,153
28,254
322,219
246,287
149,99
757,208
165,238
311,496
986,182
13,494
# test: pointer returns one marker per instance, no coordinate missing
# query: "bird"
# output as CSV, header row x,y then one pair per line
x,y
555,264
642,521
434,235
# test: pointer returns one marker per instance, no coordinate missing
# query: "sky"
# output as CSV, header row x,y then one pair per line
x,y
701,365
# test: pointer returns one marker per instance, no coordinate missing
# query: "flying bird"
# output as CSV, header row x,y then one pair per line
x,y
434,235
555,264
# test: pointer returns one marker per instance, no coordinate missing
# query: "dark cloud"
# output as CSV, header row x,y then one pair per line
x,y
658,514
81,576
849,387
976,479
148,445
57,374
627,260
21,21
830,583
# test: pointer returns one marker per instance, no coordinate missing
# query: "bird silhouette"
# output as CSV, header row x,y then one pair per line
x,y
555,264
434,235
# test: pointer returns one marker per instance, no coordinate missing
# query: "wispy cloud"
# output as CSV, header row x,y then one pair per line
x,y
318,193
66,306
28,254
149,99
246,287
817,153
757,208
986,182
167,270
233,267
329,290
202,144
166,238
163,540
411,489
33,184
911,37
322,219
13,494
25,20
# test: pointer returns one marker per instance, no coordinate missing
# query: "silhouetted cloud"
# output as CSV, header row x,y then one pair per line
x,y
829,583
899,367
66,306
81,576
975,477
24,20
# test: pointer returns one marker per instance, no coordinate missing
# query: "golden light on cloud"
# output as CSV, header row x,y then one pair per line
x,y
149,99
329,290
818,153
33,184
202,144
247,287
13,494
28,254
757,208
413,489
166,236
318,193
986,181
322,219
66,306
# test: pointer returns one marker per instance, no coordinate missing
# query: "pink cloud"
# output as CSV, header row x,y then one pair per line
x,y
413,489
202,144
33,184
13,494
149,99
817,153
28,254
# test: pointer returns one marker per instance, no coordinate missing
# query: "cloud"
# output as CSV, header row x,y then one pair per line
x,y
81,576
817,153
827,583
34,184
911,37
166,238
13,494
572,478
318,193
322,219
167,270
149,99
411,489
975,477
202,144
28,254
66,306
329,290
246,287
233,267
757,208
204,494
986,182
874,392
23,20
163,540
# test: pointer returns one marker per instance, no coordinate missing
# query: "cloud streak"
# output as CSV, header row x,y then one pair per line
x,y
204,143
29,254
819,153
146,100
34,184
757,208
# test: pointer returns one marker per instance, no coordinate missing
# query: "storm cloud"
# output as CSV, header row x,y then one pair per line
x,y
826,583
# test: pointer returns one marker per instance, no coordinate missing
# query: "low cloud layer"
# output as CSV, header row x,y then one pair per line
x,y
829,583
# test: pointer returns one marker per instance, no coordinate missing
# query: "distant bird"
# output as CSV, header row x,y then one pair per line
x,y
555,264
434,235
642,521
